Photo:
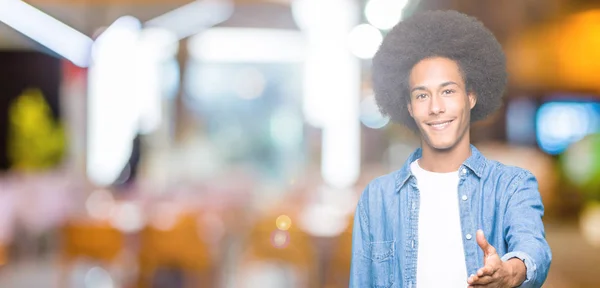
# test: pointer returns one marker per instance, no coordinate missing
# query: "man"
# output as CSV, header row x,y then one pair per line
x,y
449,217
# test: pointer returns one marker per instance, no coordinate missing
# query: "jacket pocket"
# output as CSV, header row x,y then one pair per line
x,y
382,257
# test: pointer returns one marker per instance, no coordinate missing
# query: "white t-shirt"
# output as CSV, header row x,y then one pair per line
x,y
441,257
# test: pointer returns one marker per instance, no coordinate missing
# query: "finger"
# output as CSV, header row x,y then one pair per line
x,y
486,271
483,243
485,280
472,279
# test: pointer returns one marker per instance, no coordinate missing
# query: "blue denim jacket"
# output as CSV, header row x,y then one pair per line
x,y
503,201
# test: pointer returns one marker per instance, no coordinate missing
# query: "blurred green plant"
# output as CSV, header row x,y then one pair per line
x,y
581,166
36,141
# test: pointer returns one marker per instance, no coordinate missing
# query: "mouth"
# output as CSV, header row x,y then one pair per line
x,y
439,125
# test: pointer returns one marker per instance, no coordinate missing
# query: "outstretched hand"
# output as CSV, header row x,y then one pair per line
x,y
495,272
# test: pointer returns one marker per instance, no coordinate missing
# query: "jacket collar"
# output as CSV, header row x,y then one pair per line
x,y
476,163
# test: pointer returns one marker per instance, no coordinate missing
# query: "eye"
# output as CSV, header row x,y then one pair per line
x,y
421,96
448,91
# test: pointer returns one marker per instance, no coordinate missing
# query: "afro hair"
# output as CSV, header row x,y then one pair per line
x,y
447,34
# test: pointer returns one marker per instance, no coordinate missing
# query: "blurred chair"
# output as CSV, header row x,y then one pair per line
x,y
176,248
292,251
338,268
3,256
91,240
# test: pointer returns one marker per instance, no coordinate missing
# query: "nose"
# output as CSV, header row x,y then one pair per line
x,y
436,105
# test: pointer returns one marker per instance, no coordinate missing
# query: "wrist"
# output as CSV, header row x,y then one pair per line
x,y
517,271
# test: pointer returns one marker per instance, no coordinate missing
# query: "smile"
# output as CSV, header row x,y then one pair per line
x,y
439,125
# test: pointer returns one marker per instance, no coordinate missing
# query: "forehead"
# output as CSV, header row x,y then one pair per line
x,y
434,71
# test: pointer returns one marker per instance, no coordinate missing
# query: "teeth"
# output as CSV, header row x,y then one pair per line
x,y
440,125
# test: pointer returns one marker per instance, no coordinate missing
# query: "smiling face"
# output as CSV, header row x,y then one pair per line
x,y
440,104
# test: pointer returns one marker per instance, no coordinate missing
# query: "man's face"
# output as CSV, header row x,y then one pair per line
x,y
439,102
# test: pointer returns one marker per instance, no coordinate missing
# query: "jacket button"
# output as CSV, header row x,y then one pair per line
x,y
469,236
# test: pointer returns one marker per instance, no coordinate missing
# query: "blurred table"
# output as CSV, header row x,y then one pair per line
x,y
575,263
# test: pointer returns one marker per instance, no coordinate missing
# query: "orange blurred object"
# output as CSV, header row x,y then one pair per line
x,y
178,246
3,257
338,268
560,55
97,240
266,243
94,240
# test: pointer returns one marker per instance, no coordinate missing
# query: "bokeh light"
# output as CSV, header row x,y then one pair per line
x,y
283,222
561,123
590,224
370,115
98,278
250,83
384,14
364,41
280,239
127,217
581,164
100,204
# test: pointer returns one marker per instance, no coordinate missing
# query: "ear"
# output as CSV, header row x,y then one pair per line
x,y
410,111
472,100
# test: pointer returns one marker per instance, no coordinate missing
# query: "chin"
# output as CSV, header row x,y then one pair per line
x,y
441,144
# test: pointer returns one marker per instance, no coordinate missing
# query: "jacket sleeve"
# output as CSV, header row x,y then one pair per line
x,y
524,230
360,265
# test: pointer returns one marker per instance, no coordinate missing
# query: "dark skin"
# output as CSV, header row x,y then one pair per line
x,y
441,107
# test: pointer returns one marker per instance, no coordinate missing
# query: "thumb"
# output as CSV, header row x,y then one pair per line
x,y
488,249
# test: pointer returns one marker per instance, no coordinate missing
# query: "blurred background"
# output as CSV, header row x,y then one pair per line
x,y
224,143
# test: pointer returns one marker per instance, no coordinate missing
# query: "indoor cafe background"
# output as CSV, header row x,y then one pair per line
x,y
224,143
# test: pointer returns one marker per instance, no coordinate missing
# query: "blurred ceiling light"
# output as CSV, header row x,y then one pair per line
x,y
124,30
364,41
125,92
385,14
114,114
156,46
159,43
247,45
46,30
318,16
325,25
194,17
332,85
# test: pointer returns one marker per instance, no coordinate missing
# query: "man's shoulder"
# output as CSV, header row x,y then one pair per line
x,y
508,174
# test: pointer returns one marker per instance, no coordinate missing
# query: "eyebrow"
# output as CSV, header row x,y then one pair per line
x,y
441,86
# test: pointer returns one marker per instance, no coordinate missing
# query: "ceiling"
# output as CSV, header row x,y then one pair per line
x,y
90,15
503,17
508,19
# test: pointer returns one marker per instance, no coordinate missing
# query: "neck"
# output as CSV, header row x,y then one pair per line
x,y
444,161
